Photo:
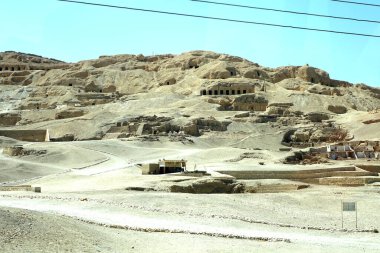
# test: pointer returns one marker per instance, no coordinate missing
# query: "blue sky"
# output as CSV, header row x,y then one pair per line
x,y
73,32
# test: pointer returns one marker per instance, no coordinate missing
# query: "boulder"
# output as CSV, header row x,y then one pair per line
x,y
317,116
191,129
70,113
338,109
301,135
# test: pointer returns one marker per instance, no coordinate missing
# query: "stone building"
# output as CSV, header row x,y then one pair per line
x,y
164,166
349,150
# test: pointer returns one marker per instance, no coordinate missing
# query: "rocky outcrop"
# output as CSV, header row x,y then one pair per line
x,y
338,109
217,70
250,102
9,119
211,124
279,109
65,137
301,135
207,185
70,113
19,150
317,116
322,90
313,75
293,84
224,102
191,129
310,135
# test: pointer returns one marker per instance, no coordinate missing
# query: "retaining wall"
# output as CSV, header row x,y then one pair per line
x,y
27,135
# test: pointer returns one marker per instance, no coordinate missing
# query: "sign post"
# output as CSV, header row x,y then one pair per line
x,y
350,207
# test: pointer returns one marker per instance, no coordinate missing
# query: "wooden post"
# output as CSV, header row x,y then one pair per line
x,y
341,209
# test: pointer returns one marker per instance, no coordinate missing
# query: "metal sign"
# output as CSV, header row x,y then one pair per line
x,y
349,206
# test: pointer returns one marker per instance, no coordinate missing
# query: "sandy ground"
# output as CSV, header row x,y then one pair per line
x,y
30,231
85,204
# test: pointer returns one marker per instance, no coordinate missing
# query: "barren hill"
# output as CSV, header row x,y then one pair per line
x,y
86,100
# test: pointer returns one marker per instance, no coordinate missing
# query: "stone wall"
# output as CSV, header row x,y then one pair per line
x,y
9,119
27,135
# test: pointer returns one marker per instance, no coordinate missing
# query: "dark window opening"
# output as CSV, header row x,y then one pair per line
x,y
312,80
38,107
100,91
215,92
221,92
93,103
204,93
233,92
6,69
210,92
196,67
258,73
238,92
244,91
1,69
227,92
232,73
12,69
167,83
70,84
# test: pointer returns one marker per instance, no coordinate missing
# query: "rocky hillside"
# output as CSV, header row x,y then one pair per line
x,y
129,95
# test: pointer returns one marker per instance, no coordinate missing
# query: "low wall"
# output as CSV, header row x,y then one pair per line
x,y
288,174
20,188
371,168
27,135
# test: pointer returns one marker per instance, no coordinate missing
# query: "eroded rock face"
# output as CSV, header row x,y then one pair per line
x,y
323,90
313,75
294,84
217,70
